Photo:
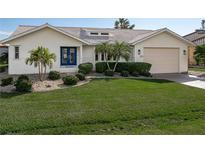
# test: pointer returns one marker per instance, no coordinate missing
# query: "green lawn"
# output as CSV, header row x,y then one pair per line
x,y
197,69
115,106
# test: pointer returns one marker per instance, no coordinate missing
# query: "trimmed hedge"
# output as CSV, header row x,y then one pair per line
x,y
80,76
3,68
23,84
23,77
82,71
70,80
109,73
87,67
6,81
124,73
140,67
54,75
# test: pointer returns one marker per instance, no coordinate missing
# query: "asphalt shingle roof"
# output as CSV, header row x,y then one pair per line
x,y
126,35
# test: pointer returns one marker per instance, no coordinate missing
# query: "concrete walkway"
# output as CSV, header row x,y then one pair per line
x,y
185,79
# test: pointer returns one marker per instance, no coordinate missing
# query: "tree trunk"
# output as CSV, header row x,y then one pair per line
x,y
117,59
106,60
45,72
39,70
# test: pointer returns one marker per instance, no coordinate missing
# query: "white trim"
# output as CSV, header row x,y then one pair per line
x,y
39,28
161,31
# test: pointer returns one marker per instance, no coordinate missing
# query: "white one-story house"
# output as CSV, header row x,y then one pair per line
x,y
164,49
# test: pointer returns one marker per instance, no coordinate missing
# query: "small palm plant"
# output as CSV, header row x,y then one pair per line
x,y
121,50
41,58
105,49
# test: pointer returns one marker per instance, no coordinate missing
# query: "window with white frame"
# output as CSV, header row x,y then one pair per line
x,y
16,52
96,56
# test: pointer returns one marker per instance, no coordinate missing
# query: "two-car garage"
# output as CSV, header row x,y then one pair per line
x,y
163,60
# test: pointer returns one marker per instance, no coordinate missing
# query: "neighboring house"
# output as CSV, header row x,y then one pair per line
x,y
164,49
198,38
3,48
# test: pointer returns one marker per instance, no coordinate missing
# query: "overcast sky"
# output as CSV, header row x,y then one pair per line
x,y
180,26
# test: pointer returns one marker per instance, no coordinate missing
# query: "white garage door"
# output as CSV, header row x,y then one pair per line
x,y
163,60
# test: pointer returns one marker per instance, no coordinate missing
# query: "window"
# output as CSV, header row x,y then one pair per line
x,y
102,57
139,52
96,57
93,33
72,56
16,48
104,33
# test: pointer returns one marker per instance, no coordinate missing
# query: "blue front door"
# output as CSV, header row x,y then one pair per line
x,y
68,56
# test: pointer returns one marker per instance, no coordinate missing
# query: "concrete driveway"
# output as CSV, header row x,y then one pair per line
x,y
185,79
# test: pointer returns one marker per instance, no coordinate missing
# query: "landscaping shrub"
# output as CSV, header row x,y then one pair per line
x,y
147,74
23,77
3,69
100,67
54,75
87,67
6,81
140,67
23,85
136,74
70,80
124,73
109,72
82,71
80,76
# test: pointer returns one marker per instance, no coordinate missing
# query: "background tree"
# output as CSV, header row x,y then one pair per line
x,y
41,58
123,23
121,50
105,49
199,54
4,58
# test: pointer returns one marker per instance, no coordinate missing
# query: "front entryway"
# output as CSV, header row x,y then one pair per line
x,y
68,56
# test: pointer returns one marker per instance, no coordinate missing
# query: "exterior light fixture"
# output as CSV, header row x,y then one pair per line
x,y
139,52
184,52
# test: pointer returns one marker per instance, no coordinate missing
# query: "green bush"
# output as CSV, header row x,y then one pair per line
x,y
124,73
82,71
3,68
136,74
109,73
54,75
147,74
23,85
87,67
6,81
80,76
23,77
100,67
140,67
70,80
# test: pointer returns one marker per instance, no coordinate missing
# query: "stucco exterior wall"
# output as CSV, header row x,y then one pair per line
x,y
47,38
164,40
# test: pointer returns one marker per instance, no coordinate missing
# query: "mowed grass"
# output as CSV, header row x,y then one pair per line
x,y
112,106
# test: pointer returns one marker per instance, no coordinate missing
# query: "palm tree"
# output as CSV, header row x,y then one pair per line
x,y
106,49
123,23
200,53
41,58
121,50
